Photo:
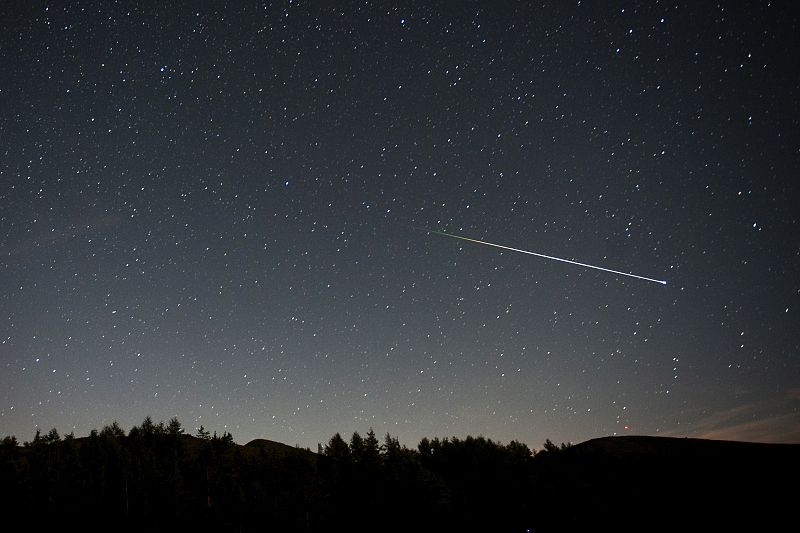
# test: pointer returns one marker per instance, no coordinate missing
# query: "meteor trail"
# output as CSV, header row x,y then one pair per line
x,y
661,281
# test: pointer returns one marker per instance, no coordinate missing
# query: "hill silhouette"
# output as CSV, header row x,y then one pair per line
x,y
274,448
157,478
670,483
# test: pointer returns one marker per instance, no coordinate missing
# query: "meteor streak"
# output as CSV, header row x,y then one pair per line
x,y
661,281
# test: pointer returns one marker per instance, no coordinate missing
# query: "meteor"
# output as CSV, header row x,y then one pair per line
x,y
661,281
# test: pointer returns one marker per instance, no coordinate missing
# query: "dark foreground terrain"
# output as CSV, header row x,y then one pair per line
x,y
155,478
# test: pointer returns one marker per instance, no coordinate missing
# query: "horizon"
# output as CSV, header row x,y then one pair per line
x,y
194,432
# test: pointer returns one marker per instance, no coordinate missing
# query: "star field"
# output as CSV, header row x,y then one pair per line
x,y
208,211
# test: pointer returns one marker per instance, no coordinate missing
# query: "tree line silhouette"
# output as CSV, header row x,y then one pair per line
x,y
158,477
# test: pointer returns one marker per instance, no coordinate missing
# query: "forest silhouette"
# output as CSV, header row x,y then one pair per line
x,y
156,477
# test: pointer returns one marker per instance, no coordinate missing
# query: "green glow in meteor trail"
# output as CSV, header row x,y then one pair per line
x,y
661,281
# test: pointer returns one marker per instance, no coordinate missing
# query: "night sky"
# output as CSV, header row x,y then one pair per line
x,y
212,211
